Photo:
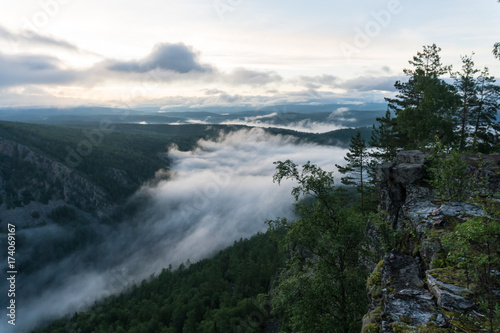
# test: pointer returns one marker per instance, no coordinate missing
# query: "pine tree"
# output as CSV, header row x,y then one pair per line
x,y
484,114
465,84
357,162
385,139
425,105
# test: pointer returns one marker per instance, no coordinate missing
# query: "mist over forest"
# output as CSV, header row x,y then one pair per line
x,y
212,195
254,166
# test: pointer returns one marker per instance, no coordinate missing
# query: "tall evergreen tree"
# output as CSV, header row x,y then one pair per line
x,y
357,162
484,123
425,105
465,84
384,139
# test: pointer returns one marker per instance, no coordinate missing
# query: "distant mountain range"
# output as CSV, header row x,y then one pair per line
x,y
301,118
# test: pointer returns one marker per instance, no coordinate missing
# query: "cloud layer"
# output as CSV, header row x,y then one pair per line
x,y
33,69
277,120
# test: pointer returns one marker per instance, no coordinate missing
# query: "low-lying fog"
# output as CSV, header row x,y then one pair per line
x,y
216,194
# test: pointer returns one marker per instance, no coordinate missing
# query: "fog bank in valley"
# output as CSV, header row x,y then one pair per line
x,y
217,193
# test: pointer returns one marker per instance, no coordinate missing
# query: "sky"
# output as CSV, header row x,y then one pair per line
x,y
196,53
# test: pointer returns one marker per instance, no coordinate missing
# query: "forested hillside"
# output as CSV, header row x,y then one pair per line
x,y
120,157
226,293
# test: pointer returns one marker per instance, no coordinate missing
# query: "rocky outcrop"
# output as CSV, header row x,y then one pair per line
x,y
448,296
402,299
409,291
401,181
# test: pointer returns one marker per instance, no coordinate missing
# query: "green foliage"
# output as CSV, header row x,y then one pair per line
x,y
466,86
483,119
222,294
448,174
479,104
357,165
425,105
451,178
463,114
388,235
474,246
385,139
322,287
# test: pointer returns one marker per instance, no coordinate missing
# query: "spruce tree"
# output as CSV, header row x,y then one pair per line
x,y
483,122
357,162
466,85
385,139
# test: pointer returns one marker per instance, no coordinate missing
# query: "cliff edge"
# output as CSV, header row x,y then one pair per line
x,y
414,288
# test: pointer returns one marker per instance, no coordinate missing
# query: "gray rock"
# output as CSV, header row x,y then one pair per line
x,y
461,210
406,173
410,156
405,296
446,297
383,172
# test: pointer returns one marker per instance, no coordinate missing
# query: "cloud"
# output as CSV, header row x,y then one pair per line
x,y
370,83
32,37
386,69
316,82
217,193
213,91
250,77
359,84
33,69
338,113
177,58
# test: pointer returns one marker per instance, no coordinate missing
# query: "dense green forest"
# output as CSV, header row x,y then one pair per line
x,y
226,293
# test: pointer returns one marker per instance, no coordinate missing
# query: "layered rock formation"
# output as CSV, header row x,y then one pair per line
x,y
409,290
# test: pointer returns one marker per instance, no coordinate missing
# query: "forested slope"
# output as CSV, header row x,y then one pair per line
x,y
221,294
